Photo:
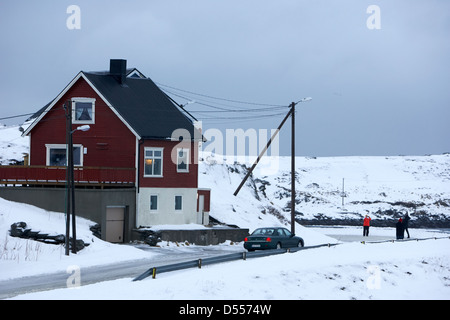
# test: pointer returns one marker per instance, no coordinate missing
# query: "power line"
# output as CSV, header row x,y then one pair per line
x,y
244,118
226,113
17,116
222,99
222,109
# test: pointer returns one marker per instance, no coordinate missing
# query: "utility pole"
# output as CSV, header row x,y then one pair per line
x,y
343,194
68,113
262,153
292,114
292,106
72,188
70,178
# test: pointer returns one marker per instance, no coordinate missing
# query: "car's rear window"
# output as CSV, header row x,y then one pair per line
x,y
263,232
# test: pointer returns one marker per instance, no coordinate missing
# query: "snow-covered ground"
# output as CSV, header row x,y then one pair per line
x,y
22,257
408,270
351,270
12,144
383,187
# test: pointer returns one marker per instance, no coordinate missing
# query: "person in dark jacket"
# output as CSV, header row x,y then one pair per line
x,y
405,223
399,229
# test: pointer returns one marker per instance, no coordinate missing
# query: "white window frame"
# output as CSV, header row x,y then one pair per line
x,y
185,151
83,100
153,157
175,203
64,146
157,203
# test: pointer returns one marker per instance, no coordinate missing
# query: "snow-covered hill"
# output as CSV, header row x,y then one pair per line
x,y
12,144
383,187
348,271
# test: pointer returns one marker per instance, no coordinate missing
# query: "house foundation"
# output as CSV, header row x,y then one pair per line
x,y
113,209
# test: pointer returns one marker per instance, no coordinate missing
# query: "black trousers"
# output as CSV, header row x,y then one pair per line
x,y
365,231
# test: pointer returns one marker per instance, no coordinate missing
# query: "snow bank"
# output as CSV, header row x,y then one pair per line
x,y
22,257
383,187
401,270
12,145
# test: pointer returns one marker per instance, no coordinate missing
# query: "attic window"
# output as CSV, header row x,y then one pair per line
x,y
83,110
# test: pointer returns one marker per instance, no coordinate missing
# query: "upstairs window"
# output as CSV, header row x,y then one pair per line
x,y
83,110
153,161
182,160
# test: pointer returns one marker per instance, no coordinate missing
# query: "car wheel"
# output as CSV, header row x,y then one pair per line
x,y
300,244
278,245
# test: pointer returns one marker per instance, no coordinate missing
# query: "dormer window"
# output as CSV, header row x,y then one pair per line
x,y
83,110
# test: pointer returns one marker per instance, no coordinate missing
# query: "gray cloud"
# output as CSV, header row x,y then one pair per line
x,y
375,92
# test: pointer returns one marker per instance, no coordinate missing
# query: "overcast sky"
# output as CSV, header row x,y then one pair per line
x,y
375,91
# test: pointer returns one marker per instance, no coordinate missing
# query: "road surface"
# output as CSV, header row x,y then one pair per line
x,y
128,269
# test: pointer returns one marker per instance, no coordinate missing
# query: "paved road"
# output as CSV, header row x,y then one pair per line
x,y
128,269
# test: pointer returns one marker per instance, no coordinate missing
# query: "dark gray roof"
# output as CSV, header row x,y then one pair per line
x,y
142,105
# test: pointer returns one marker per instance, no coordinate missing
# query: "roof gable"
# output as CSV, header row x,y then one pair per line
x,y
143,106
138,102
43,111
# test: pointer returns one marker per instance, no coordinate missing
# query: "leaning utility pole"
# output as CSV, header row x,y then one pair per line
x,y
262,153
292,114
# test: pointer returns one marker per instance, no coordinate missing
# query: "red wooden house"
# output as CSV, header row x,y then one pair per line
x,y
138,139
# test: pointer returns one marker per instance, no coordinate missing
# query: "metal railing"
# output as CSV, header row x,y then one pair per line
x,y
53,175
198,263
219,259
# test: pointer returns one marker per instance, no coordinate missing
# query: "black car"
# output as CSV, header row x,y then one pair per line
x,y
272,238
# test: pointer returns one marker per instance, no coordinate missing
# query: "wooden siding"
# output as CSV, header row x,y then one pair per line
x,y
109,143
170,177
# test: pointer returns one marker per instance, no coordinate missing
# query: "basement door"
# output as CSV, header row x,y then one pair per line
x,y
115,224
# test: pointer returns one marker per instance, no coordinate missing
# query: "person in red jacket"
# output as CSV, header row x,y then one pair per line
x,y
366,225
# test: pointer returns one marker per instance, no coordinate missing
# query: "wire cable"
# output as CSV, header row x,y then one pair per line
x,y
225,113
17,116
217,98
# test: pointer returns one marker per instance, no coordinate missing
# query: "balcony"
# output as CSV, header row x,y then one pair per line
x,y
54,176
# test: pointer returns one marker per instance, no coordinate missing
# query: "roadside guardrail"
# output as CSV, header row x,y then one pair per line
x,y
248,255
219,259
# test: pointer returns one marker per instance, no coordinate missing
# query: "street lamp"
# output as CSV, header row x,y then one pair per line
x,y
70,191
86,127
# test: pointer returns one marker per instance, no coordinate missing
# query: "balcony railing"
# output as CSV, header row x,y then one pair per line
x,y
83,176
